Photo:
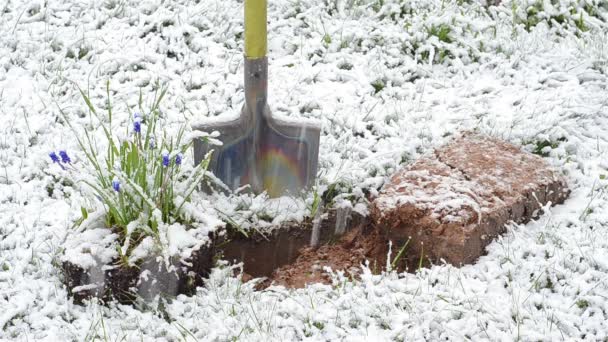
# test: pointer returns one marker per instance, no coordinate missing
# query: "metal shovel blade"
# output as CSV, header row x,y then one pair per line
x,y
269,154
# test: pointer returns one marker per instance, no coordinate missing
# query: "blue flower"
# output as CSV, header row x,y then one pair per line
x,y
64,157
116,185
178,159
165,159
137,126
54,157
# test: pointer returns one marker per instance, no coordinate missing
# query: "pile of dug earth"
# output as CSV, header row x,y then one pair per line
x,y
445,207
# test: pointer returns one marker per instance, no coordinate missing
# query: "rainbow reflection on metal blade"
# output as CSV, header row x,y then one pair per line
x,y
281,169
277,162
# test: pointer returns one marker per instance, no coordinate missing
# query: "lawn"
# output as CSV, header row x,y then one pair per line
x,y
389,80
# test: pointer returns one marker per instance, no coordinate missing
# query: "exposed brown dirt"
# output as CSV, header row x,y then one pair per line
x,y
261,255
348,254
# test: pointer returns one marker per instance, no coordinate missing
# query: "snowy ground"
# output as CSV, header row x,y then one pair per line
x,y
386,91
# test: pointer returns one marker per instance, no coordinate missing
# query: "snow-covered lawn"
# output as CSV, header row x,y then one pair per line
x,y
389,80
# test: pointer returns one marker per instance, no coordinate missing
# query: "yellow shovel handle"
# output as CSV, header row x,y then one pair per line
x,y
255,28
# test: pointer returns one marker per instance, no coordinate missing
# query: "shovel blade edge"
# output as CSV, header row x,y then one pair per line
x,y
281,158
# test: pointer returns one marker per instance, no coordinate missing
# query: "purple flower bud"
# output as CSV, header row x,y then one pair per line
x,y
137,126
64,157
116,185
165,159
54,157
178,159
152,143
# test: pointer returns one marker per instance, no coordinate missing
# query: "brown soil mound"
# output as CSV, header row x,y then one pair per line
x,y
454,202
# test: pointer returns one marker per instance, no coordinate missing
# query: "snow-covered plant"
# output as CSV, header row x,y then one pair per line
x,y
580,15
139,181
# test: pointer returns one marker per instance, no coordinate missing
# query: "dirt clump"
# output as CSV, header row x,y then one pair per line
x,y
451,204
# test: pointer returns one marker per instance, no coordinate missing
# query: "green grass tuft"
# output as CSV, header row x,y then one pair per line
x,y
442,32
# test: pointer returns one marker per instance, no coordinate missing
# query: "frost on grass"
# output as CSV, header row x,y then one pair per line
x,y
389,81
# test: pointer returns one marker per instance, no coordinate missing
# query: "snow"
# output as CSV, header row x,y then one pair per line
x,y
546,280
90,248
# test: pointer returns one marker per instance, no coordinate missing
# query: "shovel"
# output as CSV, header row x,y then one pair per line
x,y
269,154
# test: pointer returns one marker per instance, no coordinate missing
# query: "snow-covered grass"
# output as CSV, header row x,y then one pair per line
x,y
389,80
